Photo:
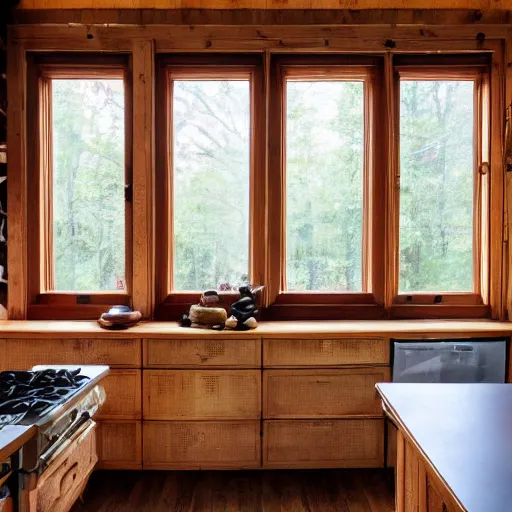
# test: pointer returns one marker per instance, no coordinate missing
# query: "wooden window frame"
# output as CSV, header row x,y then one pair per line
x,y
43,302
475,303
171,303
290,305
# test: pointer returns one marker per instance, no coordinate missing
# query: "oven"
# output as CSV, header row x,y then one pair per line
x,y
54,465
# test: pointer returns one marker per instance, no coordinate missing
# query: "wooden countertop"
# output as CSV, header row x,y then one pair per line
x,y
351,328
13,437
464,431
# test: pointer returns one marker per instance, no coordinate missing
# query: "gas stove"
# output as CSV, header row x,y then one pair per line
x,y
59,402
25,396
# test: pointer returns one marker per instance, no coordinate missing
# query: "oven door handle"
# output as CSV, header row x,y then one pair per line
x,y
67,434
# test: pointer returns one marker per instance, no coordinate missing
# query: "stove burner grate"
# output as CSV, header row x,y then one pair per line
x,y
31,393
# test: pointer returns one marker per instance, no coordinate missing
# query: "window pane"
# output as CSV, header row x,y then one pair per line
x,y
324,185
88,184
436,186
211,158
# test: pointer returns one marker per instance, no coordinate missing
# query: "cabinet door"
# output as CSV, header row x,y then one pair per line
x,y
322,393
123,390
119,444
202,353
202,394
323,443
201,444
293,352
22,354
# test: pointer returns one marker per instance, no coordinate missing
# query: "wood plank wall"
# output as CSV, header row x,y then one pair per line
x,y
266,4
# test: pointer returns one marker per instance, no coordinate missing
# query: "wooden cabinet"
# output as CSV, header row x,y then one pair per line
x,y
292,352
123,390
417,487
119,444
354,443
21,354
202,394
322,393
202,444
202,353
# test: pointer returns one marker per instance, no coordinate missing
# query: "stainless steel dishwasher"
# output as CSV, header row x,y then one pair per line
x,y
450,360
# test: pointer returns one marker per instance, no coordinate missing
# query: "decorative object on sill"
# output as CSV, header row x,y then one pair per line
x,y
119,317
209,298
205,317
244,310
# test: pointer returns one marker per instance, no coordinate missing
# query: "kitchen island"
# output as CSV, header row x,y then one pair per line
x,y
454,446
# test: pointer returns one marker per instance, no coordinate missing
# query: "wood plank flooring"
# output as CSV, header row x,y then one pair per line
x,y
240,491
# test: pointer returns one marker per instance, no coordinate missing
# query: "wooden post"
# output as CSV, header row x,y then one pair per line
x,y
143,176
17,189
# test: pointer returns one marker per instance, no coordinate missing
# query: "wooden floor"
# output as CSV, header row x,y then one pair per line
x,y
233,491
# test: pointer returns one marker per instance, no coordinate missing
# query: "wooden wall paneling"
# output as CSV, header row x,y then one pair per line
x,y
376,162
497,179
507,252
258,236
263,4
202,352
22,354
143,176
119,444
392,182
201,394
124,395
354,443
276,184
322,393
202,444
17,258
325,351
429,18
400,472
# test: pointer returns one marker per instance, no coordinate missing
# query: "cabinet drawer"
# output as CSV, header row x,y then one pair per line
x,y
323,443
65,478
322,393
123,389
120,444
202,394
203,352
201,444
22,354
325,352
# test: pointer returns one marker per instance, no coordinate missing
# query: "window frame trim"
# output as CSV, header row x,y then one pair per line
x,y
44,303
169,302
476,301
368,303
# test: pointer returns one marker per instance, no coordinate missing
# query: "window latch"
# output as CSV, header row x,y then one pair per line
x,y
128,193
484,168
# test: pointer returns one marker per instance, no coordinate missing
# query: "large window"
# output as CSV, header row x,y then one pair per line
x,y
324,184
211,121
80,233
443,195
87,184
436,185
350,186
209,173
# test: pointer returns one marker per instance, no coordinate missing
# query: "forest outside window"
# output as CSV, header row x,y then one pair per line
x,y
211,172
443,155
324,183
206,174
82,160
